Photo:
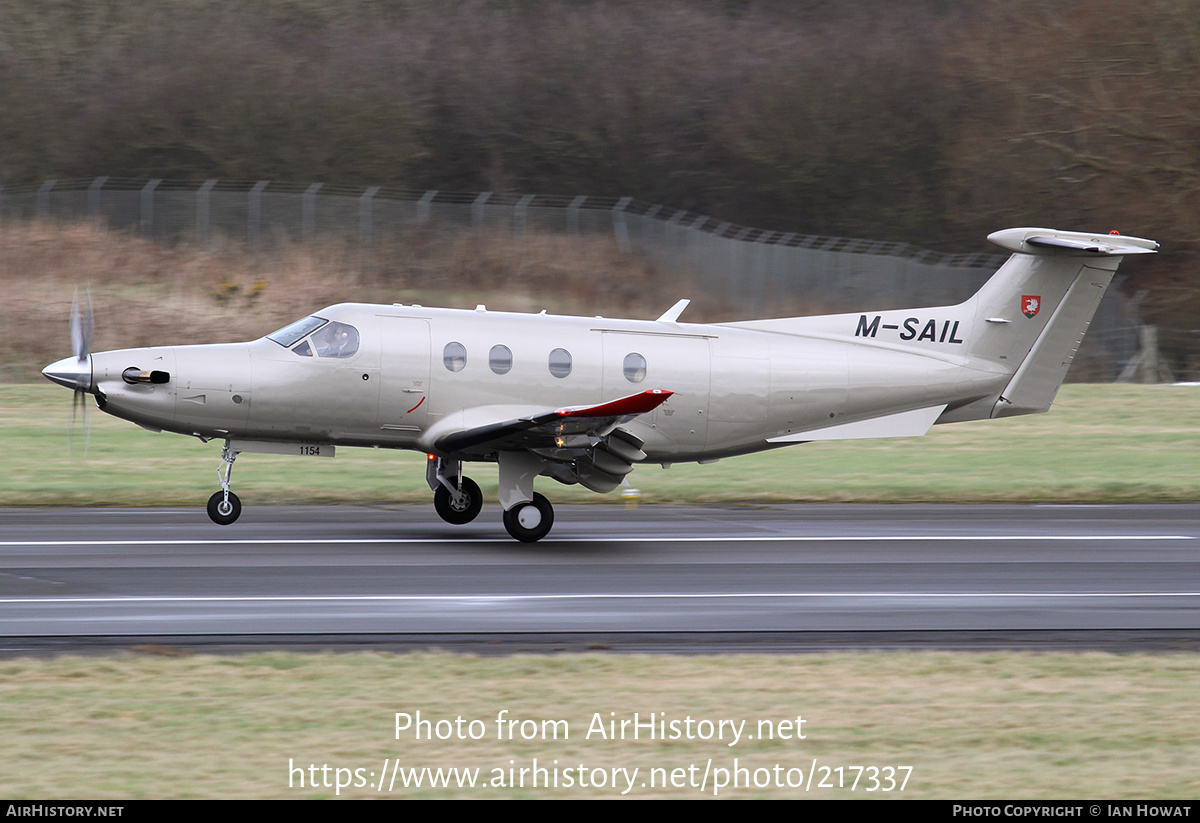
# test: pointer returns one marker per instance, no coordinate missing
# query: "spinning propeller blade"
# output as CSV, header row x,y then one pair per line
x,y
81,326
76,372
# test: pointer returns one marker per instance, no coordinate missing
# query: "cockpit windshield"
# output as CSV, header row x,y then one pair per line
x,y
329,338
288,335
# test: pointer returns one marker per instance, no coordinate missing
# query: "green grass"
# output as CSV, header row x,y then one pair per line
x,y
996,725
1098,444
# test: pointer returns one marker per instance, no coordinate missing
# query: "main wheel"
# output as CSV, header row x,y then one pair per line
x,y
464,511
530,522
223,513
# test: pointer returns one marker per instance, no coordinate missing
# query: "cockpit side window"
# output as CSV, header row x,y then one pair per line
x,y
289,335
336,340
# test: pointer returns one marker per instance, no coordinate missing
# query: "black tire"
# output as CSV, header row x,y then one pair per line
x,y
221,514
443,503
538,516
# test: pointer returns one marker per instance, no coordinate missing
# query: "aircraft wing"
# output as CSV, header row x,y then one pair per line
x,y
552,428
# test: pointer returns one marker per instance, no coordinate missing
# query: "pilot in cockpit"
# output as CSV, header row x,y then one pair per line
x,y
336,340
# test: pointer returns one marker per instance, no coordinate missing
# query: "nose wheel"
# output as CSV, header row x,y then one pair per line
x,y
530,522
224,507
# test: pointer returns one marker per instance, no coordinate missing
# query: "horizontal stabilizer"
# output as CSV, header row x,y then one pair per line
x,y
1054,242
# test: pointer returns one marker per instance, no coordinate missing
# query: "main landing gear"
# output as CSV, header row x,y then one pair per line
x,y
458,502
530,522
528,516
224,507
456,499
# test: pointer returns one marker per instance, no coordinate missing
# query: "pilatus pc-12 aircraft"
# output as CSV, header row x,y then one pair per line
x,y
585,399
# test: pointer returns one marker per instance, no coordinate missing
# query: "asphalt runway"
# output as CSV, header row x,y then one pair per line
x,y
659,577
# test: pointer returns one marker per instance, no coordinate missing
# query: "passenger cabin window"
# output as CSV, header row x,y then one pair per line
x,y
336,340
560,362
635,367
454,356
500,359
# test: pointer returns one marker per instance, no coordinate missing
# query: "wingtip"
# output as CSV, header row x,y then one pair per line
x,y
633,404
671,315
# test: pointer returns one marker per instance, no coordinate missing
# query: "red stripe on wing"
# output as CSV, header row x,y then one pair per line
x,y
633,404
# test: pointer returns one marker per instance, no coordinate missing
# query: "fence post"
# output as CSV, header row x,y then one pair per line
x,y
477,209
619,227
308,211
573,214
148,207
202,213
423,205
520,212
650,227
254,214
43,199
364,218
94,198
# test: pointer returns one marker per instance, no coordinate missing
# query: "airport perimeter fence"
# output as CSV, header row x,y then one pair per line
x,y
752,270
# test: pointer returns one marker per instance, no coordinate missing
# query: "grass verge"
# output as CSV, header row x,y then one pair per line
x,y
969,725
1098,444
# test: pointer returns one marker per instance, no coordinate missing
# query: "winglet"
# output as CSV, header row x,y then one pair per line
x,y
641,403
671,315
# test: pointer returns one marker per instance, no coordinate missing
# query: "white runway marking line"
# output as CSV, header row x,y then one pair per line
x,y
340,541
502,598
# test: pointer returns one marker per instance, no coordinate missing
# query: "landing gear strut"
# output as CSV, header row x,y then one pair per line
x,y
528,516
224,507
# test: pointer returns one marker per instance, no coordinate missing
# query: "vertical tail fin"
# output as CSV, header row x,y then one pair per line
x,y
1032,314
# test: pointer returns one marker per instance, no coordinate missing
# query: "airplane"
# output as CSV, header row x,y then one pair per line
x,y
586,399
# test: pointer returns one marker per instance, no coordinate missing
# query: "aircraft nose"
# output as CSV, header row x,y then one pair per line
x,y
74,373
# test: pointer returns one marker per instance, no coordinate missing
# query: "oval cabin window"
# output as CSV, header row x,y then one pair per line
x,y
500,359
635,367
455,356
560,362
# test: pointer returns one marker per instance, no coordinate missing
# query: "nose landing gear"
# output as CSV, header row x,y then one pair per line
x,y
224,507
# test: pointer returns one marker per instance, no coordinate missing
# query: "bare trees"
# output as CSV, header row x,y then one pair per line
x,y
922,121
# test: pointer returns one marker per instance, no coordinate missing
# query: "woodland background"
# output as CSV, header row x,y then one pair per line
x,y
928,121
